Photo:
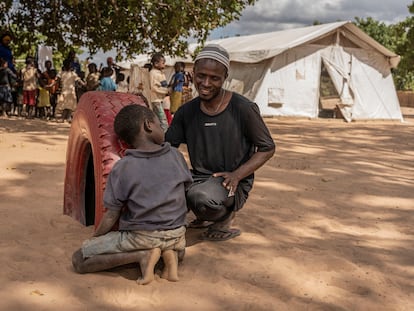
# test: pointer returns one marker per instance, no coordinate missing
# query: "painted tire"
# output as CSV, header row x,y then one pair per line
x,y
92,150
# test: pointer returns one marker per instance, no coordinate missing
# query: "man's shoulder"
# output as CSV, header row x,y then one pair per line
x,y
242,102
191,106
240,99
244,105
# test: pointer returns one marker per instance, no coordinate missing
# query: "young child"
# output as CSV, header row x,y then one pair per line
x,y
92,79
145,191
107,84
177,84
53,87
7,78
67,100
187,88
19,100
43,104
29,76
50,76
122,84
159,88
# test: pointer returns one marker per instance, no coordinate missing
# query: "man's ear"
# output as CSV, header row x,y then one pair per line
x,y
147,126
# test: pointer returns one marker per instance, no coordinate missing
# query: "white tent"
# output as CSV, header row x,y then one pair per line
x,y
281,71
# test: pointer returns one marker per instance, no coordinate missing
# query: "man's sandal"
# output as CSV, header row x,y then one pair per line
x,y
199,224
219,234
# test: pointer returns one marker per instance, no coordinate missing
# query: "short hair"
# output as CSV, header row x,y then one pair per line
x,y
128,121
156,58
67,64
6,34
120,77
29,60
107,71
90,65
52,73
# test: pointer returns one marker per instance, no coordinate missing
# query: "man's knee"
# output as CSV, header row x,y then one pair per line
x,y
78,262
206,208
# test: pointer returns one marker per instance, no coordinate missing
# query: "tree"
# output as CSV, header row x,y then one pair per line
x,y
129,27
395,37
406,50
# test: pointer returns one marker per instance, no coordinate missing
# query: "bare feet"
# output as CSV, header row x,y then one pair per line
x,y
147,263
170,271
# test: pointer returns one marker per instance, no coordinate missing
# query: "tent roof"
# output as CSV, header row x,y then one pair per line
x,y
255,48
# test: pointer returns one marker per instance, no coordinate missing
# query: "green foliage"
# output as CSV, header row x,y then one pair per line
x,y
398,38
129,27
384,34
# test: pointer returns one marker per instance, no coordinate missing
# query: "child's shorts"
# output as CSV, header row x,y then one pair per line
x,y
29,97
127,241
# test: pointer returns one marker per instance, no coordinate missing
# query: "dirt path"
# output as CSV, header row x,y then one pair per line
x,y
328,226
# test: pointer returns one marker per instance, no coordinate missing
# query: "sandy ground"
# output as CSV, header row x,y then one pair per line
x,y
328,226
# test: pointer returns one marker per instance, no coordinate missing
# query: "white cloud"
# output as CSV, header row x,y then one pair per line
x,y
273,15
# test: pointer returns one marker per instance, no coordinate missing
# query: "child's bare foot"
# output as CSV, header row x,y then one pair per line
x,y
147,263
170,271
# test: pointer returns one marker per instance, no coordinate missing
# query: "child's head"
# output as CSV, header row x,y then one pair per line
x,y
158,61
179,66
67,65
43,81
6,38
120,77
107,72
29,60
133,121
52,73
48,65
3,63
92,68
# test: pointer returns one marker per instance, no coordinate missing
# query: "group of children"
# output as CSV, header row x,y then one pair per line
x,y
50,94
28,88
167,97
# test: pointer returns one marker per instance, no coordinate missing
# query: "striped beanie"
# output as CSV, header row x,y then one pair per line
x,y
215,52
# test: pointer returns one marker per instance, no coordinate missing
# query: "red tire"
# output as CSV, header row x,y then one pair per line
x,y
92,150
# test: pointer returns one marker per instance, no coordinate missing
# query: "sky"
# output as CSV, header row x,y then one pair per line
x,y
274,15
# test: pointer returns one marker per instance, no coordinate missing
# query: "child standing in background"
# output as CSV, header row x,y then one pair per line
x,y
92,79
187,88
159,88
7,78
43,103
177,83
107,84
67,101
50,76
29,77
123,86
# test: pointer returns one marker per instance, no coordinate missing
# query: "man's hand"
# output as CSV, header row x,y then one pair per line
x,y
232,179
230,182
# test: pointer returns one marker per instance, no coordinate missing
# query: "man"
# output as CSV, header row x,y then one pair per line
x,y
227,141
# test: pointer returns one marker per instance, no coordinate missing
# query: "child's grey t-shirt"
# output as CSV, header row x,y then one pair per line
x,y
151,186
